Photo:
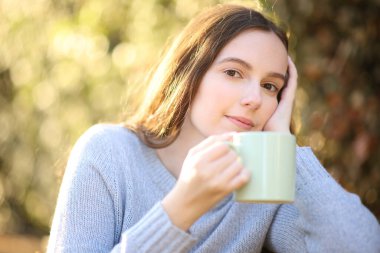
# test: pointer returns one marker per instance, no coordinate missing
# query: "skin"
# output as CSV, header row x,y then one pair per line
x,y
238,93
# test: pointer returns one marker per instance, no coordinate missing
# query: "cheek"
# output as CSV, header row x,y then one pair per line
x,y
270,108
207,108
210,94
200,107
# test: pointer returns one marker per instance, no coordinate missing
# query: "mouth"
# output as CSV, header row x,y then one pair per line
x,y
241,122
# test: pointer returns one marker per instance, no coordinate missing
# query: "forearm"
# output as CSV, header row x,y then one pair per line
x,y
333,218
324,217
154,232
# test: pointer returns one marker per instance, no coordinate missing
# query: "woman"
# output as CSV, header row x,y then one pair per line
x,y
164,181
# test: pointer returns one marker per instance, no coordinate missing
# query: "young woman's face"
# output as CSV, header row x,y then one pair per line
x,y
239,90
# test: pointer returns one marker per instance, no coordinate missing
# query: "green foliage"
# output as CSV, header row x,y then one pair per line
x,y
65,65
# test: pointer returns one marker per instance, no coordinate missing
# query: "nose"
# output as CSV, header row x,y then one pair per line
x,y
252,97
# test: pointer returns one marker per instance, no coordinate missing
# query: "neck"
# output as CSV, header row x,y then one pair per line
x,y
174,155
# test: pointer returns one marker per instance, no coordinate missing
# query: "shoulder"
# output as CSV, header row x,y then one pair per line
x,y
105,143
107,133
105,136
108,151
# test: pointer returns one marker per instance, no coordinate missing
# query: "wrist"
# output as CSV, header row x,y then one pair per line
x,y
181,213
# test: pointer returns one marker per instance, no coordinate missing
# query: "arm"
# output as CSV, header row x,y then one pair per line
x,y
89,213
155,233
324,217
81,223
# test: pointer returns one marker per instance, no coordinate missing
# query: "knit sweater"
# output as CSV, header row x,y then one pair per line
x,y
110,201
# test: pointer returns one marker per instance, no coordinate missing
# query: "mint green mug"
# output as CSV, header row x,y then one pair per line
x,y
271,159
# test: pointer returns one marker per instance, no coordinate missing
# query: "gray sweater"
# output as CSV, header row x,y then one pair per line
x,y
110,201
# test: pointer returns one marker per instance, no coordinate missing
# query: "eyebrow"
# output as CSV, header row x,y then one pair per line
x,y
248,66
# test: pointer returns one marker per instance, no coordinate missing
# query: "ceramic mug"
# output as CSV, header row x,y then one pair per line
x,y
271,159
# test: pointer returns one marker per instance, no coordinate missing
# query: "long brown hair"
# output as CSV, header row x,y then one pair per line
x,y
175,81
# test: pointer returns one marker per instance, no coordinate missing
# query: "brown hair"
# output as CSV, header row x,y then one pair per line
x,y
175,82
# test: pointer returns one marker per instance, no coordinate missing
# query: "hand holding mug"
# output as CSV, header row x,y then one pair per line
x,y
209,173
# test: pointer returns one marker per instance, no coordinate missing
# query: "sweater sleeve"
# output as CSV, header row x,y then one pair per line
x,y
155,233
324,216
88,214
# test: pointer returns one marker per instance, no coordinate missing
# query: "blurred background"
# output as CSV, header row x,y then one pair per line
x,y
68,64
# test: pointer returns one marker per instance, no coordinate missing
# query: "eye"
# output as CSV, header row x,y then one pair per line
x,y
270,87
233,73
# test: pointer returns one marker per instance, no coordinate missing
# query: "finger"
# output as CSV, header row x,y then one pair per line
x,y
234,168
292,68
214,151
285,106
222,163
240,180
212,140
292,82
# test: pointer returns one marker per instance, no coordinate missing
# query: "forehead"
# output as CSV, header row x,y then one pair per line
x,y
260,48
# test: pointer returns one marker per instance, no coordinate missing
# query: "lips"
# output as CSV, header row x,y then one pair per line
x,y
241,122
